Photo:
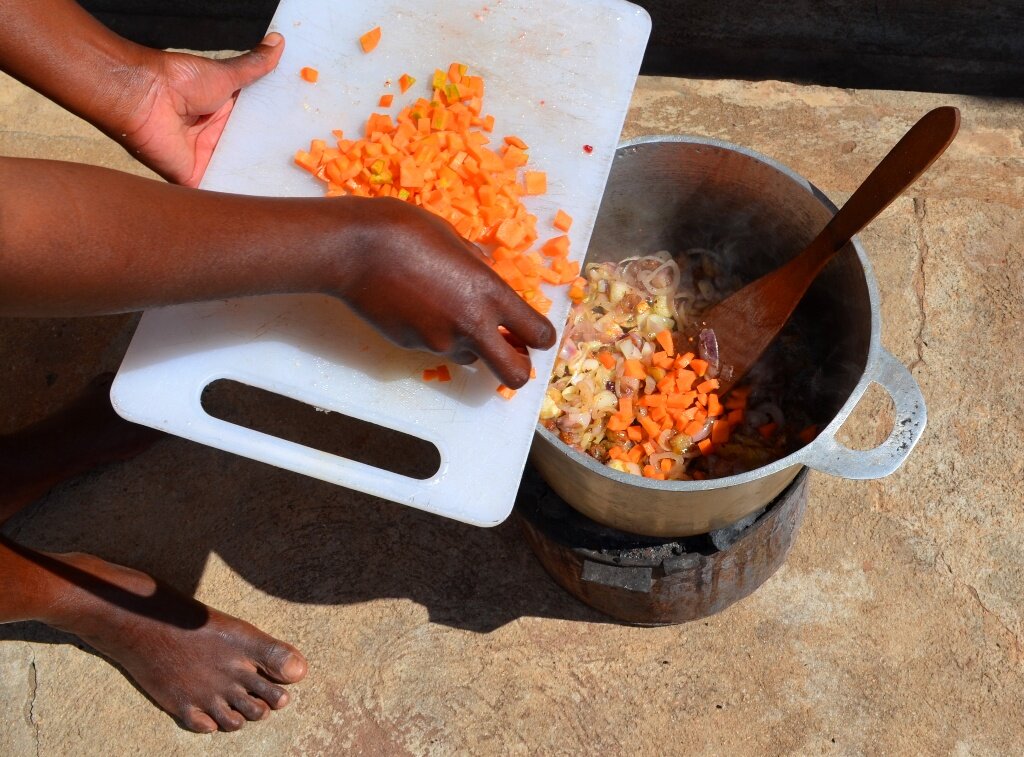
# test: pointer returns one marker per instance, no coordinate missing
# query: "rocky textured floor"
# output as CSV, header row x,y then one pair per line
x,y
895,627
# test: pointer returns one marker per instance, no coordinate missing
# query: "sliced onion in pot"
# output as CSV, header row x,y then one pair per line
x,y
568,351
707,344
649,279
628,348
574,420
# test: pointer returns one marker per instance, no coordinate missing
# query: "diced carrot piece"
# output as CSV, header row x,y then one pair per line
x,y
455,72
705,446
634,369
700,367
405,82
505,392
443,374
652,428
370,40
634,433
635,454
386,100
535,182
714,406
735,417
720,432
665,465
736,399
664,338
707,386
563,221
617,423
516,142
616,452
685,379
656,400
306,161
606,359
626,407
693,428
557,247
662,360
309,74
767,430
429,374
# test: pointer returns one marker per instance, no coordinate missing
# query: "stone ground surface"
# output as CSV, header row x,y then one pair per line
x,y
895,627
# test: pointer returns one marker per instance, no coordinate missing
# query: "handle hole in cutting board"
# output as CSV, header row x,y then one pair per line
x,y
334,433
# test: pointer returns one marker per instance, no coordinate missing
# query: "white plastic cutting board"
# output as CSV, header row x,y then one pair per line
x,y
558,74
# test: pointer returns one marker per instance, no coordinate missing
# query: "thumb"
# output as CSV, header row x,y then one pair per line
x,y
246,68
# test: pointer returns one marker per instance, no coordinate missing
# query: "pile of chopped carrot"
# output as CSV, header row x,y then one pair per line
x,y
683,402
435,154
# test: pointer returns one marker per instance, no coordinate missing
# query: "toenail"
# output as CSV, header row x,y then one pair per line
x,y
283,700
294,668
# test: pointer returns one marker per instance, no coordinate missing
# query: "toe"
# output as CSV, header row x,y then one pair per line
x,y
250,707
282,663
198,721
269,692
226,718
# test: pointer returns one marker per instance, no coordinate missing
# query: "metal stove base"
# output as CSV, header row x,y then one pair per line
x,y
655,581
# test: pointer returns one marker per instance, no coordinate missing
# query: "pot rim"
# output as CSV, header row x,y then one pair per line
x,y
805,454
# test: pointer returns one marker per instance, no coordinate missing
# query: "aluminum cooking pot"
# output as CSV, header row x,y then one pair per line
x,y
674,193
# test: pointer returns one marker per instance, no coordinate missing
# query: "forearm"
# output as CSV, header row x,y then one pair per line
x,y
58,49
79,240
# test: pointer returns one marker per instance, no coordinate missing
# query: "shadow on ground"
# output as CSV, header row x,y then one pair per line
x,y
294,537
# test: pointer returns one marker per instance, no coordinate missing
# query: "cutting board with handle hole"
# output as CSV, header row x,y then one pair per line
x,y
558,74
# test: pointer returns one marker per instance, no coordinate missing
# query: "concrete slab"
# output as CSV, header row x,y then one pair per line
x,y
895,627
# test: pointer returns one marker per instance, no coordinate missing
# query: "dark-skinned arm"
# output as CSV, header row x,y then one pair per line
x,y
82,240
167,109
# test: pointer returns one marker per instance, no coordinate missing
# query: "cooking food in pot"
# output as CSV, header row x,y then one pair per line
x,y
632,389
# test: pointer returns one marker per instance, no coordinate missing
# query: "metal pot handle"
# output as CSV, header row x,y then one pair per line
x,y
827,455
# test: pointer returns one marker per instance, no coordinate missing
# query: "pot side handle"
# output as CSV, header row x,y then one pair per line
x,y
828,455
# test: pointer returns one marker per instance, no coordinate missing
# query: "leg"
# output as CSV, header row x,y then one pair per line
x,y
205,668
82,436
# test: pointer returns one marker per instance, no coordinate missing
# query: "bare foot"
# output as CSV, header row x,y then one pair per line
x,y
85,434
207,669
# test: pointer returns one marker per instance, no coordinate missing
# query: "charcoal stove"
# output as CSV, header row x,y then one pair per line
x,y
650,581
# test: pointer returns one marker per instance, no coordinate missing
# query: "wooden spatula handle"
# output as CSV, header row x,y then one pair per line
x,y
919,148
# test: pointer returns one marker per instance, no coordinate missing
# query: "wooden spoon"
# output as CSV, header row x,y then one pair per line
x,y
746,322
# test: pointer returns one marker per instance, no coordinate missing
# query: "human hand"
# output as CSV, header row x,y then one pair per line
x,y
179,103
424,287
